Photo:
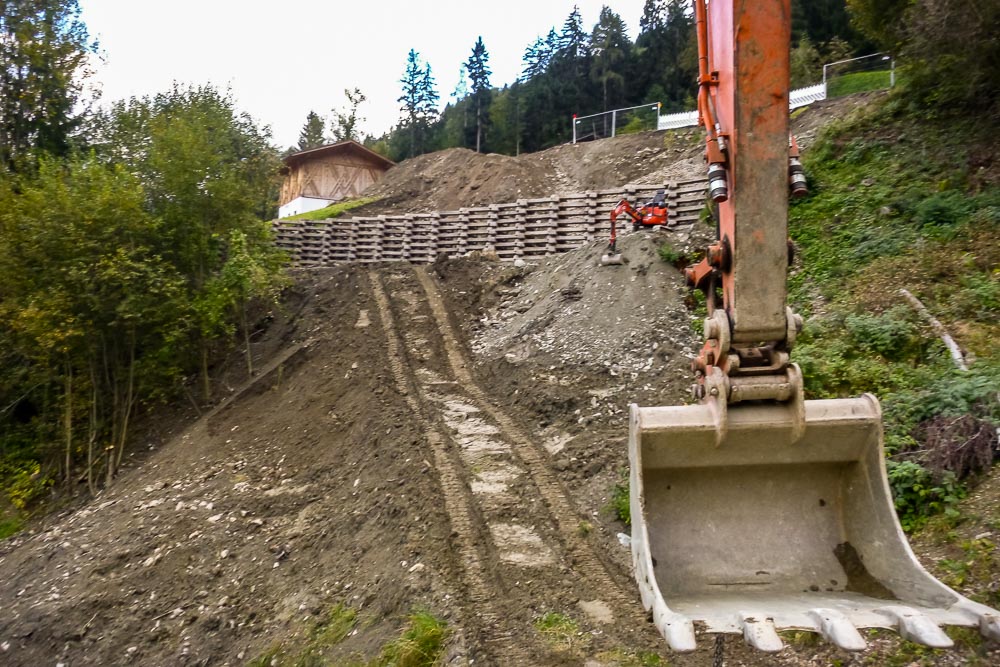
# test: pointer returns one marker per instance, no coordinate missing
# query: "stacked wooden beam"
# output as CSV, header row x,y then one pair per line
x,y
525,228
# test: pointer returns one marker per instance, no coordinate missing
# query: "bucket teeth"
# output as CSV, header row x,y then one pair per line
x,y
759,633
989,626
917,627
838,630
676,628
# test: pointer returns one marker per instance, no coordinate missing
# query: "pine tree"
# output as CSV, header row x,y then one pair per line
x,y
609,45
419,101
479,75
535,60
312,132
44,47
573,39
653,16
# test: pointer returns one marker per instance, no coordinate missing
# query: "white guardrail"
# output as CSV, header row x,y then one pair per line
x,y
799,97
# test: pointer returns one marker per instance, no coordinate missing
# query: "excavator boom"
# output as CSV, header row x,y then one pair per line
x,y
755,510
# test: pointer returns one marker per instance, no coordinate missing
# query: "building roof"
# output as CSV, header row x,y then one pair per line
x,y
339,147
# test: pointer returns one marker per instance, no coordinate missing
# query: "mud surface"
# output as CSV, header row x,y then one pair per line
x,y
444,438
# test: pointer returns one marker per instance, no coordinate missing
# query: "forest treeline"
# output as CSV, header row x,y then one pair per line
x,y
571,70
133,236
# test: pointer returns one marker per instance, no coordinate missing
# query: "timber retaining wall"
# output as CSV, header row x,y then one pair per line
x,y
525,228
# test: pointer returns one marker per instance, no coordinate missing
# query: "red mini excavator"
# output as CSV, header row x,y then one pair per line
x,y
755,510
650,214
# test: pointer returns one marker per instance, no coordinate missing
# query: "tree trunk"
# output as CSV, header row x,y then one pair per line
x,y
68,419
92,434
479,123
206,383
126,413
246,337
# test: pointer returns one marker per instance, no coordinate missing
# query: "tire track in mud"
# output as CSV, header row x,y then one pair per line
x,y
585,562
479,616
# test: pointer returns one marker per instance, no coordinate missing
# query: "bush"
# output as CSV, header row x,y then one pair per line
x,y
919,494
890,335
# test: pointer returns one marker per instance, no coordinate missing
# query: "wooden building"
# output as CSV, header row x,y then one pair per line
x,y
318,177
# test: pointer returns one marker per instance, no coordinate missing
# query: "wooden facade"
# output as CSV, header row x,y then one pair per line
x,y
332,172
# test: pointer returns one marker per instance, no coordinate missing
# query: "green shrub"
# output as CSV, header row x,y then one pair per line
x,y
891,334
619,504
918,495
943,209
669,254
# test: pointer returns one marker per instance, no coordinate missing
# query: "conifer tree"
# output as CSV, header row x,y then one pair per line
x,y
312,132
479,75
44,48
609,44
419,101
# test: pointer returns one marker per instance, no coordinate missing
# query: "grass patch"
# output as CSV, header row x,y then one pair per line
x,y
326,634
631,658
857,82
333,210
558,629
421,644
10,525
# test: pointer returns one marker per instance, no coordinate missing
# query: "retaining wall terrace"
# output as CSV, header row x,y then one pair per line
x,y
525,228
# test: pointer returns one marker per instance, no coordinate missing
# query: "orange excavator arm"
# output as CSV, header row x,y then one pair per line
x,y
755,510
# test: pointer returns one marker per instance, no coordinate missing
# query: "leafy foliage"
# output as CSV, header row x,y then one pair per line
x,y
877,220
948,47
125,269
345,121
918,494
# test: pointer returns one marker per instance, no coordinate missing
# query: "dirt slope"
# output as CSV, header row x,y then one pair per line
x,y
445,438
458,177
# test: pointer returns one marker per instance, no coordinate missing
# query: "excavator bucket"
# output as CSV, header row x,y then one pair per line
x,y
762,526
611,259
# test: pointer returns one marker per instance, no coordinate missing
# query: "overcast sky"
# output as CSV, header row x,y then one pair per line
x,y
283,59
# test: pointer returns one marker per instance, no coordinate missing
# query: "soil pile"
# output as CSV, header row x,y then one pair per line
x,y
460,178
457,177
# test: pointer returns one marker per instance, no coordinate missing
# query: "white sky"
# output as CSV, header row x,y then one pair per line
x,y
283,59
